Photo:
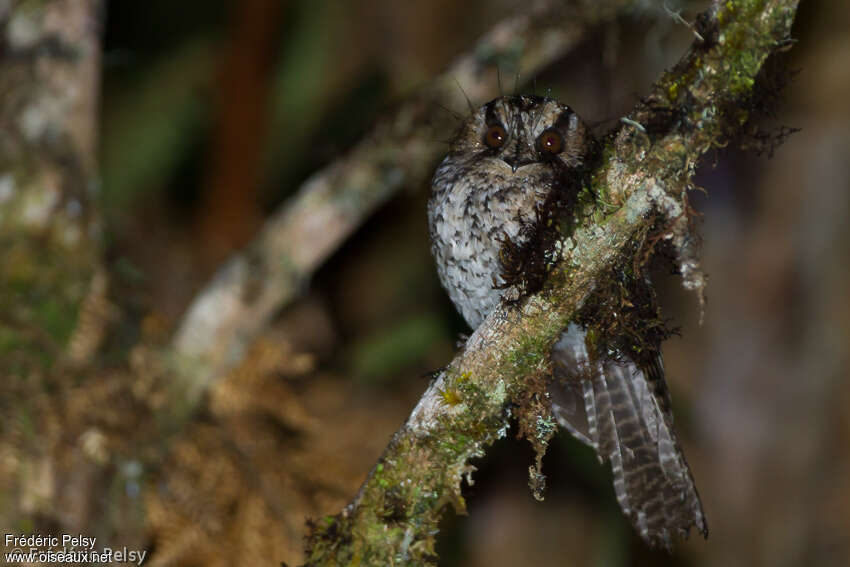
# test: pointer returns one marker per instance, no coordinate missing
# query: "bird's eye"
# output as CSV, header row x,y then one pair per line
x,y
495,136
550,141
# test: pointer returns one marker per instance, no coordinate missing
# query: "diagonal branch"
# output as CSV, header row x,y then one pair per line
x,y
254,284
644,174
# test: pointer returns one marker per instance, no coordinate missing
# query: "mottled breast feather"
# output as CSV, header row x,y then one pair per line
x,y
482,195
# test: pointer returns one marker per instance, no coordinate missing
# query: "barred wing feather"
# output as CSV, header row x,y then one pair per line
x,y
623,412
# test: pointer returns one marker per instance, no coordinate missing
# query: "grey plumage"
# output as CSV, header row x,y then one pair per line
x,y
508,157
623,413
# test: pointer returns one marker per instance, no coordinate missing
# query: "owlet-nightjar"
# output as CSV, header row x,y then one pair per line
x,y
505,161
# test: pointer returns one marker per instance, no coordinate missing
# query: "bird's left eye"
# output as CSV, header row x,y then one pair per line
x,y
550,141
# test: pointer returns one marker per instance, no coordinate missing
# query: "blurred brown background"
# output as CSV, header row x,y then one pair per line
x,y
212,114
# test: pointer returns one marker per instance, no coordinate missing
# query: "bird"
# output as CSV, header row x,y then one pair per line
x,y
512,160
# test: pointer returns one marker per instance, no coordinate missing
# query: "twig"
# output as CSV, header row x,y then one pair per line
x,y
677,17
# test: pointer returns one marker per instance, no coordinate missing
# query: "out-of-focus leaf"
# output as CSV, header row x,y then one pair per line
x,y
391,350
150,122
299,91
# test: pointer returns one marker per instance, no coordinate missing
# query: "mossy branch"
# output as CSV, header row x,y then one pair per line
x,y
49,256
643,176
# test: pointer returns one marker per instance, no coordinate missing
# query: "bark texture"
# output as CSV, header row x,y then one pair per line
x,y
53,307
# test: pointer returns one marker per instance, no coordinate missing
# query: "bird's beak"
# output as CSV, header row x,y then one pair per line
x,y
520,156
517,163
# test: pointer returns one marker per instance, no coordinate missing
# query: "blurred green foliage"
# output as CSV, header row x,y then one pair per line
x,y
395,347
151,120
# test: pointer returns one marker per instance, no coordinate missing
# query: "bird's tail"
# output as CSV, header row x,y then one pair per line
x,y
623,412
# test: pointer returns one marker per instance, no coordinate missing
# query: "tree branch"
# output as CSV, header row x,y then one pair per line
x,y
254,284
52,287
644,175
49,76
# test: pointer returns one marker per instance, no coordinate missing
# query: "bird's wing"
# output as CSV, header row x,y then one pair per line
x,y
623,412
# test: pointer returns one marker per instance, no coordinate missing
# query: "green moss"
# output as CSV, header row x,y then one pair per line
x,y
450,395
621,315
327,545
401,515
454,444
42,287
526,357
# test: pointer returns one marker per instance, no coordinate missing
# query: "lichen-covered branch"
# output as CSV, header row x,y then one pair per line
x,y
254,284
52,291
642,179
49,75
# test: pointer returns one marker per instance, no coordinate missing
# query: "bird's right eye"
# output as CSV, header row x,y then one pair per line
x,y
495,136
